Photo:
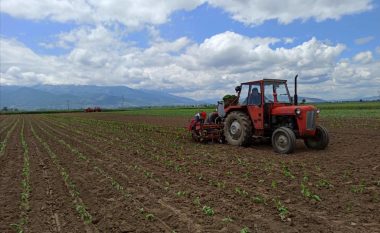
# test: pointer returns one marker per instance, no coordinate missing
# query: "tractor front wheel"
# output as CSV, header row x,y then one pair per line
x,y
283,140
320,140
238,129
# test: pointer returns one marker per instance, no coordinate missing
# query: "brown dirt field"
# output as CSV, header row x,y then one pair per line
x,y
10,179
152,177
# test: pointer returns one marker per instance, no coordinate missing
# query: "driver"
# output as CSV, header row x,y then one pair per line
x,y
255,98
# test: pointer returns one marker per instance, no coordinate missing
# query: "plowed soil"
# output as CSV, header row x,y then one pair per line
x,y
106,172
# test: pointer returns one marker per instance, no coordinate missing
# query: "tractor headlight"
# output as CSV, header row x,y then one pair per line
x,y
298,111
318,111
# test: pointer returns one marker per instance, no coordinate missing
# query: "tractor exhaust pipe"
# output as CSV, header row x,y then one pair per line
x,y
295,90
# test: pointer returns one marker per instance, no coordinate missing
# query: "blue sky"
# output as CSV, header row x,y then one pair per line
x,y
175,47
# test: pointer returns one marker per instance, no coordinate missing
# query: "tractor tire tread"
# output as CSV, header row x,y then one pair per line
x,y
290,135
246,123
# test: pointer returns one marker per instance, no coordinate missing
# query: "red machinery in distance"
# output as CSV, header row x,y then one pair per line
x,y
96,109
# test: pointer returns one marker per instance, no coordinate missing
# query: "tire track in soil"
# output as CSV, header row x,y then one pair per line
x,y
311,211
10,179
229,200
102,201
51,205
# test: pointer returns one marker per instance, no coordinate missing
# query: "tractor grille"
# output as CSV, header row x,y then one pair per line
x,y
310,120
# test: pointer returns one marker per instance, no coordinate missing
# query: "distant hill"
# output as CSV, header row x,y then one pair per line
x,y
82,96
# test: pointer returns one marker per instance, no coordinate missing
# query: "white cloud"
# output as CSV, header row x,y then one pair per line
x,y
289,40
254,12
131,13
198,70
135,14
363,57
364,40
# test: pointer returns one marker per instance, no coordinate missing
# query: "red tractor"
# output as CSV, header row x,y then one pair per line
x,y
96,109
263,108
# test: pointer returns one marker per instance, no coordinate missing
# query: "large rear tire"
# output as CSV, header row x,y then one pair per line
x,y
238,129
283,140
320,141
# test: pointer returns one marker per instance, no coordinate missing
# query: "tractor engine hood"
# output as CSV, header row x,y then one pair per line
x,y
291,110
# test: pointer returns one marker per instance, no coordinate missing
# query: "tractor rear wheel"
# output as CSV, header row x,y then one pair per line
x,y
283,140
238,129
320,140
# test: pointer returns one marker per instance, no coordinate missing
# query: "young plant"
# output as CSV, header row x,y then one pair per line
x,y
358,188
180,193
148,175
322,183
241,192
149,217
208,210
84,214
258,199
245,230
287,172
274,184
306,191
227,220
282,210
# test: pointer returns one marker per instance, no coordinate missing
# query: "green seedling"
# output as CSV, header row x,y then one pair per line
x,y
208,210
244,230
149,217
241,192
274,184
282,210
358,188
220,184
287,172
307,193
241,162
180,193
258,199
227,220
85,216
148,174
322,183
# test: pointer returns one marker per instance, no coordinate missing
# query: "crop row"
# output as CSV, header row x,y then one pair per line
x,y
178,156
257,199
94,164
73,190
25,184
3,143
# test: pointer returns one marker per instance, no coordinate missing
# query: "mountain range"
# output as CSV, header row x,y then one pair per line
x,y
83,96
